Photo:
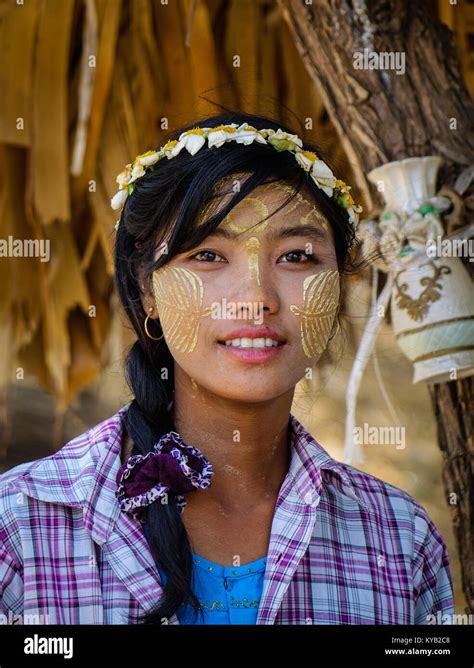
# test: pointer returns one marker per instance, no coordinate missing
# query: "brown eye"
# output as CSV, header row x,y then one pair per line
x,y
297,256
206,256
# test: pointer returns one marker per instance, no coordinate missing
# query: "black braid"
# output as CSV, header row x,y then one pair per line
x,y
145,421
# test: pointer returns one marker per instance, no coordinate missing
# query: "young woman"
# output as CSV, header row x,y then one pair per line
x,y
204,500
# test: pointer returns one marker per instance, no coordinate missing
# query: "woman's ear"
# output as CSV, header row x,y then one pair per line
x,y
147,297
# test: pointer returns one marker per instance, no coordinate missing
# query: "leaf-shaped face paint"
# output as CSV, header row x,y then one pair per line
x,y
320,301
179,296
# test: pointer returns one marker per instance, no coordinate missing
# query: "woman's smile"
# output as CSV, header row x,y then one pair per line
x,y
253,345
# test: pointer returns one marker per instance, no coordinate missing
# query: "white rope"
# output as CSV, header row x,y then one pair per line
x,y
352,450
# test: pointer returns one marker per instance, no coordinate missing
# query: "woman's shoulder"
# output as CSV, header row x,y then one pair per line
x,y
394,507
63,476
383,502
385,510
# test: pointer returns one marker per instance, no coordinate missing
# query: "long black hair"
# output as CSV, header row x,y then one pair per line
x,y
164,208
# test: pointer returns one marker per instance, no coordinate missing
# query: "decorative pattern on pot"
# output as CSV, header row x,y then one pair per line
x,y
433,318
431,298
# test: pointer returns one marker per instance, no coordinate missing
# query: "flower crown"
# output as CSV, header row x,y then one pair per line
x,y
195,139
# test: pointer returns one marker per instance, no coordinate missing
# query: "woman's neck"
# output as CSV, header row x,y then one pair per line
x,y
246,443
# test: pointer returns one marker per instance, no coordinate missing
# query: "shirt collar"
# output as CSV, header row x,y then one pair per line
x,y
311,465
83,472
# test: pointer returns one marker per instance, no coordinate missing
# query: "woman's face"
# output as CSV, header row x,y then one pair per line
x,y
249,310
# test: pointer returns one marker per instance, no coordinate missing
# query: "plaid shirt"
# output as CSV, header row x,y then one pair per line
x,y
345,547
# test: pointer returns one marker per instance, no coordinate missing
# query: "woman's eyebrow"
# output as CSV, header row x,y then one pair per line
x,y
274,234
308,230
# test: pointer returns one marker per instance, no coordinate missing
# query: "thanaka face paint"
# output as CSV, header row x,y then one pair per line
x,y
313,213
261,210
253,248
179,292
260,207
320,301
179,297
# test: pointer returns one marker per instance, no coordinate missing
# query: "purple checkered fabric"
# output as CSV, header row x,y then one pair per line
x,y
345,547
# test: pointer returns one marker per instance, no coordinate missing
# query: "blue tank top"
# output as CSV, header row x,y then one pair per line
x,y
226,594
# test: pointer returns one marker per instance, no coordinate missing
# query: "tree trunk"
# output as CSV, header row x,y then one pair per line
x,y
383,116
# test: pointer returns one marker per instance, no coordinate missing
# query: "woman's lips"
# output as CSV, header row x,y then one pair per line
x,y
253,355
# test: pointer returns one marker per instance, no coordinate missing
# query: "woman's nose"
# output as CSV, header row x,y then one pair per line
x,y
254,282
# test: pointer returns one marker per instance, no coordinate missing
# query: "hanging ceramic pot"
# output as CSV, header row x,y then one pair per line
x,y
432,303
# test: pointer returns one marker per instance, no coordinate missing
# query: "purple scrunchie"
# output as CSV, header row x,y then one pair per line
x,y
171,467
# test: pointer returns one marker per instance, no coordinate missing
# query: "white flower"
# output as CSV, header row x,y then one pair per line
x,y
218,136
321,171
176,149
285,136
191,141
194,139
327,189
137,171
246,134
149,158
119,199
303,159
172,148
123,179
354,211
323,177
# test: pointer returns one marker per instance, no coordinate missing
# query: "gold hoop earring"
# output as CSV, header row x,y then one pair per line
x,y
154,338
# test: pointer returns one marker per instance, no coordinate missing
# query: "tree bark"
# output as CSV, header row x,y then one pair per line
x,y
383,116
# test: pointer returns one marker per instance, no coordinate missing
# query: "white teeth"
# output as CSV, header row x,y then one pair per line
x,y
270,342
246,342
